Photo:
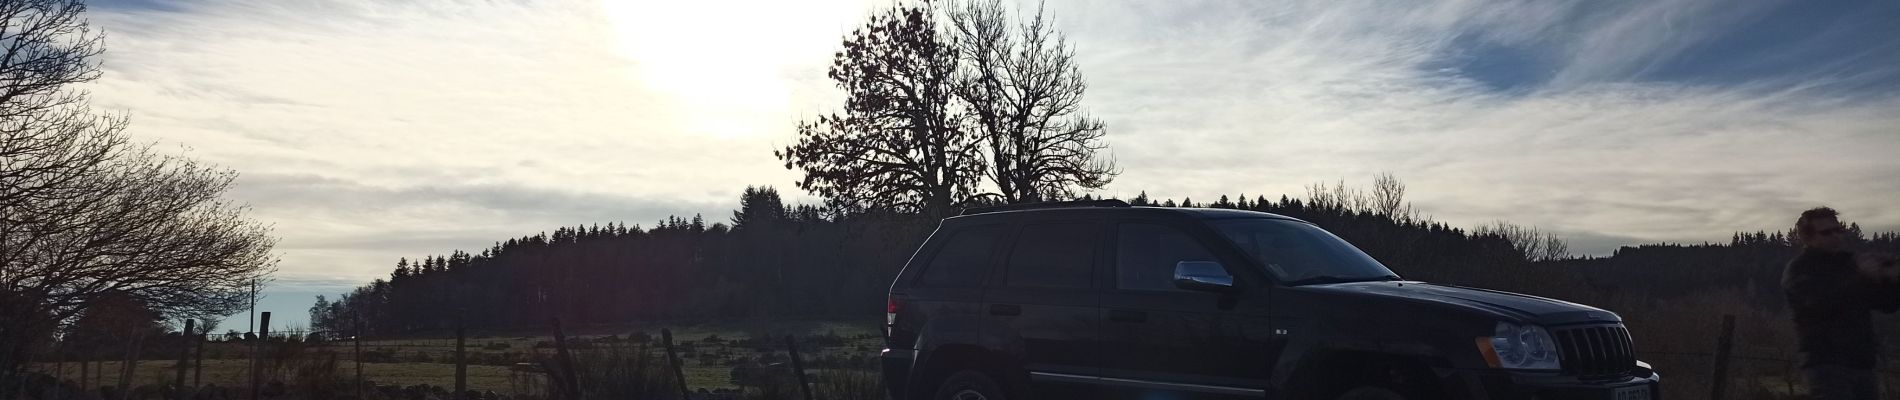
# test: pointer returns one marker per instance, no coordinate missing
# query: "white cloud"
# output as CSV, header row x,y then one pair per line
x,y
372,130
1225,98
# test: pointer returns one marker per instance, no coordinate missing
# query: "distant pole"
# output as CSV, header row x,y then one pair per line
x,y
673,357
1722,347
461,356
798,366
184,358
357,323
257,355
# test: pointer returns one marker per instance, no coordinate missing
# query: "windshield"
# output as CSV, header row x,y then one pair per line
x,y
1299,253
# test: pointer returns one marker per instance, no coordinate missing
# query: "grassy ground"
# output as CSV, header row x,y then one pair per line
x,y
236,373
706,364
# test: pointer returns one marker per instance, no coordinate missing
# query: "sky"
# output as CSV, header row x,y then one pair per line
x,y
369,130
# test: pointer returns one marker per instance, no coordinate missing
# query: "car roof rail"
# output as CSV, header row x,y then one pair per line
x,y
1046,204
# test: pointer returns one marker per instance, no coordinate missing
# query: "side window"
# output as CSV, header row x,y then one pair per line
x,y
1145,255
1053,255
963,260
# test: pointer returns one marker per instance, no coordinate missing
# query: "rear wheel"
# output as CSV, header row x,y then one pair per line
x,y
969,385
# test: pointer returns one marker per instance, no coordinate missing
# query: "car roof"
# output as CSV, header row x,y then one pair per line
x,y
1106,212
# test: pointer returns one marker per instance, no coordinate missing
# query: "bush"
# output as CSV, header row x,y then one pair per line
x,y
829,339
618,372
421,357
495,346
847,384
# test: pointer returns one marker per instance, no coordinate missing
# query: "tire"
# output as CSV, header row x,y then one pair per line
x,y
969,385
1372,393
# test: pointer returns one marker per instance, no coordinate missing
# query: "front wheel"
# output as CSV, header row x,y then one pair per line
x,y
969,385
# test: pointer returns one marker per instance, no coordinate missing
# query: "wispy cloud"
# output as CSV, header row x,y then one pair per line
x,y
370,130
1591,138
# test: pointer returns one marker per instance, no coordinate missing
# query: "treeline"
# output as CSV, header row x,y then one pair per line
x,y
1750,262
774,259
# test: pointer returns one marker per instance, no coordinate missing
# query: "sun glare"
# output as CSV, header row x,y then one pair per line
x,y
730,68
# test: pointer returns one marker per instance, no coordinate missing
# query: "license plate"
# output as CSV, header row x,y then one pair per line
x,y
1630,393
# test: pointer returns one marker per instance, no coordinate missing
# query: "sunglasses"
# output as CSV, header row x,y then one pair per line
x,y
1830,231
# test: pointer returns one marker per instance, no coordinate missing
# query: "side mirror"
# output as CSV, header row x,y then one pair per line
x,y
1206,276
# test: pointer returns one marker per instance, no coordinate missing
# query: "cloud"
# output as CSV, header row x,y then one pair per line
x,y
1586,133
369,130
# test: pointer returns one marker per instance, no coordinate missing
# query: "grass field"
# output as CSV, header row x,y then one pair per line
x,y
428,359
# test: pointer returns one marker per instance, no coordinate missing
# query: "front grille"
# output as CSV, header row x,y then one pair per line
x,y
1596,351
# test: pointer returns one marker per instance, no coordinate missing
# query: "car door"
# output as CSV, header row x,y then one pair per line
x,y
1043,310
1167,342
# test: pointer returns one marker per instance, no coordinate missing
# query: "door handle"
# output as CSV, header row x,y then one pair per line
x,y
1127,316
1006,309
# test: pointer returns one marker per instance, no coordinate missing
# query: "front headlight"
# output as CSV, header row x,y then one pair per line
x,y
1513,346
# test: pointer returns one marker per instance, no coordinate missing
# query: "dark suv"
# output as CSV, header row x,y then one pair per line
x,y
1102,300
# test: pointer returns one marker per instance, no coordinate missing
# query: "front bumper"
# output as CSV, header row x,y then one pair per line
x,y
1506,385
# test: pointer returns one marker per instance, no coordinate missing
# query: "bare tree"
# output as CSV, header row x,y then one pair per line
x,y
899,144
1534,245
1388,195
1337,196
1024,91
85,213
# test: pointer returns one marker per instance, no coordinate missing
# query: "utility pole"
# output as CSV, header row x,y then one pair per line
x,y
253,322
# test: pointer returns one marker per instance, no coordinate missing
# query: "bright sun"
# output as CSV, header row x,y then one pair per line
x,y
733,69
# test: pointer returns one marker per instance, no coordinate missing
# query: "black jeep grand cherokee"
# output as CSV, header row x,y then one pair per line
x,y
1102,300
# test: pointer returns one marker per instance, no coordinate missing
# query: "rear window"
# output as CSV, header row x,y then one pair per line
x,y
1053,255
963,260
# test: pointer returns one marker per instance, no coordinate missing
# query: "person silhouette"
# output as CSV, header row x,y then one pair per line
x,y
1833,296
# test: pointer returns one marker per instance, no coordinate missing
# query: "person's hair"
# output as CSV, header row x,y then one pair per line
x,y
1804,227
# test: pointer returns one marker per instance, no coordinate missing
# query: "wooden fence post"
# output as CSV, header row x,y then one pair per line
x,y
184,358
257,355
1722,348
85,372
798,366
198,362
570,382
59,372
130,367
673,357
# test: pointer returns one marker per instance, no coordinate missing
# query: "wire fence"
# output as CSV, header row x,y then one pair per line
x,y
304,364
526,367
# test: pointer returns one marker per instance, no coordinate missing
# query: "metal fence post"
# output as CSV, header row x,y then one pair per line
x,y
1722,348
